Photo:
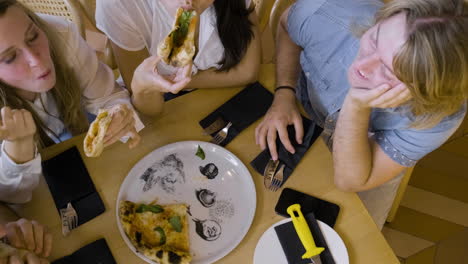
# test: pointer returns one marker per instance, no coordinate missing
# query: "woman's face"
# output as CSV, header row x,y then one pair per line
x,y
373,64
25,61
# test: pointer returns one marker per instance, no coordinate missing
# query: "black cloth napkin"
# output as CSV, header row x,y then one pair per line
x,y
242,110
69,181
97,252
324,211
311,133
292,245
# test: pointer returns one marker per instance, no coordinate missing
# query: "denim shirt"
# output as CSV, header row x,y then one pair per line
x,y
323,28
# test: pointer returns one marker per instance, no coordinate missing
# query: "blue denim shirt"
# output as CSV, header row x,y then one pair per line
x,y
323,29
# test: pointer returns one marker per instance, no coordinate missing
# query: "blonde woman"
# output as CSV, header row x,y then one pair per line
x,y
49,80
384,100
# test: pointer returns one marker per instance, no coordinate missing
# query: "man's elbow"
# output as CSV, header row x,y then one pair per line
x,y
343,183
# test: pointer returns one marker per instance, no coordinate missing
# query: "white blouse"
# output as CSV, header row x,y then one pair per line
x,y
134,25
99,90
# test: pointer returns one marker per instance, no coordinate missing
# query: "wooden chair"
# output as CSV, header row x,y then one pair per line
x,y
89,7
277,10
263,8
67,9
399,195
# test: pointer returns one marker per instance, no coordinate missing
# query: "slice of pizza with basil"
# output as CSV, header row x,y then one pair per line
x,y
159,232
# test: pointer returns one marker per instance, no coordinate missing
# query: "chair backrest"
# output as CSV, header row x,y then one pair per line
x,y
67,9
277,10
399,195
263,9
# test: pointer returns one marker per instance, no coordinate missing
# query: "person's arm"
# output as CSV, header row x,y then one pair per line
x,y
243,73
359,162
7,214
284,110
20,164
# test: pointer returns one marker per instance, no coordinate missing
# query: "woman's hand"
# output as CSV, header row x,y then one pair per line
x,y
383,96
16,125
283,112
122,124
146,78
30,258
28,235
17,129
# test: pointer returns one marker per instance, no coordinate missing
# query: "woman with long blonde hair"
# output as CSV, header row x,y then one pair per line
x,y
49,81
384,100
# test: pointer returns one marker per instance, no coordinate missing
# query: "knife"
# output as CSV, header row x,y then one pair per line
x,y
303,231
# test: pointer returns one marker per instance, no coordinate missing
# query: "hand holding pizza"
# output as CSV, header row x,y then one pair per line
x,y
122,124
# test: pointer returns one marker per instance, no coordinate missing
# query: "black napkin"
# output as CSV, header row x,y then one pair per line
x,y
292,245
324,211
242,110
311,133
69,181
97,252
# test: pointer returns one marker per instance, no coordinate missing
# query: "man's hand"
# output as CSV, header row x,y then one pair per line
x,y
283,112
383,96
147,78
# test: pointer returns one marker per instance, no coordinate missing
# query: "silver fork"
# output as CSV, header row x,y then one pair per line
x,y
221,135
69,219
269,172
277,179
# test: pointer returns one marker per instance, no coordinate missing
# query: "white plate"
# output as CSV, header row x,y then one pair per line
x,y
269,249
175,178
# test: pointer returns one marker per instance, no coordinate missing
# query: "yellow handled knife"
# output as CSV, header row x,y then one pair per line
x,y
303,231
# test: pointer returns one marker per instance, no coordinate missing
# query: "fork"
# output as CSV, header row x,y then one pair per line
x,y
277,179
69,219
269,172
221,135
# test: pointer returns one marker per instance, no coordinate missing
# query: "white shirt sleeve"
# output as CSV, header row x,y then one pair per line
x,y
114,20
17,181
99,88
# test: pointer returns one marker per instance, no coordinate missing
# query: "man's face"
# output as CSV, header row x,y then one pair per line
x,y
373,64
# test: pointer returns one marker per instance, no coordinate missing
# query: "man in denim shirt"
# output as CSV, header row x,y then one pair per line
x,y
383,106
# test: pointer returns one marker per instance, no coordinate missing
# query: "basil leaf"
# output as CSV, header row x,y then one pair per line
x,y
162,235
149,208
183,22
200,153
176,223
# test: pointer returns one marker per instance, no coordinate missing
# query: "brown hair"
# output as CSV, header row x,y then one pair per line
x,y
66,92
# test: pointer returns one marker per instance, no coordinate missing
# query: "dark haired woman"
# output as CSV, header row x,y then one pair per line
x,y
228,48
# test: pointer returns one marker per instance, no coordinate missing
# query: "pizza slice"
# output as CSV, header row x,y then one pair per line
x,y
93,144
159,232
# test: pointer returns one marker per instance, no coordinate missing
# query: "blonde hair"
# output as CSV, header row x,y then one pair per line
x,y
433,62
66,92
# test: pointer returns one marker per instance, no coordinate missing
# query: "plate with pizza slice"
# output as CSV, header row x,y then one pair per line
x,y
186,202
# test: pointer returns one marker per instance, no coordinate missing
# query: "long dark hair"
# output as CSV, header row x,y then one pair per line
x,y
235,30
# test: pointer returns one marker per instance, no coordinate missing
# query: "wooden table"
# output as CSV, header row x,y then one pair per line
x,y
179,122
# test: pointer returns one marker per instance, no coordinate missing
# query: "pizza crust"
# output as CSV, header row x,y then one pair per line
x,y
93,144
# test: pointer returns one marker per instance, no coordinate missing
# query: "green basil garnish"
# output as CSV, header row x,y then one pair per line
x,y
162,235
200,153
149,208
176,223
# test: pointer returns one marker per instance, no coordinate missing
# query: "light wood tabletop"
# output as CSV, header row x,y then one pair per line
x,y
179,122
